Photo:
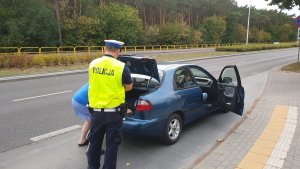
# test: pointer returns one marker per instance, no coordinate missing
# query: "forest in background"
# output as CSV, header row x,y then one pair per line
x,y
137,22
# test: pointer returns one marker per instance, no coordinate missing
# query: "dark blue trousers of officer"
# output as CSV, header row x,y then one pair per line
x,y
109,123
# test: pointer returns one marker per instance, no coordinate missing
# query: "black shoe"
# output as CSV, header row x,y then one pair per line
x,y
83,144
102,151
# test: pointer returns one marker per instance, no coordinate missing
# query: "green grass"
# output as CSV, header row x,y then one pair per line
x,y
294,67
7,72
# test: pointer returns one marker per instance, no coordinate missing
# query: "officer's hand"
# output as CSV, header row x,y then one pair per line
x,y
129,112
128,87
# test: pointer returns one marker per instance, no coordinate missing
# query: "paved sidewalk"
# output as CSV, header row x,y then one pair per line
x,y
257,141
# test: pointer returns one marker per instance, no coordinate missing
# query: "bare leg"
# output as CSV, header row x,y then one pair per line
x,y
85,129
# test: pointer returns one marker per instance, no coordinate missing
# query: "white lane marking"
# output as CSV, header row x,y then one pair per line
x,y
280,151
55,133
33,97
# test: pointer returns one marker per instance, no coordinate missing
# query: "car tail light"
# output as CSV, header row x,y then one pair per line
x,y
143,105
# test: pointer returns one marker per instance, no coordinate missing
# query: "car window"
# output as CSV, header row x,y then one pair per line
x,y
229,77
198,73
183,79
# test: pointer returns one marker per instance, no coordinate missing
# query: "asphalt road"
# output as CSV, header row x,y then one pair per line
x,y
34,107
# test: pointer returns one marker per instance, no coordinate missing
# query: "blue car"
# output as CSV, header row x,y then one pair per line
x,y
166,97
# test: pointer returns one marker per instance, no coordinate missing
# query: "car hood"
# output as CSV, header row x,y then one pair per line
x,y
141,65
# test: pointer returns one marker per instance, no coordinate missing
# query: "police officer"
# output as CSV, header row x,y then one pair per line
x,y
108,81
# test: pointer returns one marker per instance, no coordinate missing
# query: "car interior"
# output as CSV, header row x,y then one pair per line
x,y
145,77
206,82
184,79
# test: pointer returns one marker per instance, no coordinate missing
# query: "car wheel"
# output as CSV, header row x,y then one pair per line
x,y
172,130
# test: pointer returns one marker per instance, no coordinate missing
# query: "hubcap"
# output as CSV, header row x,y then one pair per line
x,y
174,129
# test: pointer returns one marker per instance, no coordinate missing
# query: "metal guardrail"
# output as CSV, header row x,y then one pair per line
x,y
90,49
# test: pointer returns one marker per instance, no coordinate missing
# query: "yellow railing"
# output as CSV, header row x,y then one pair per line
x,y
93,49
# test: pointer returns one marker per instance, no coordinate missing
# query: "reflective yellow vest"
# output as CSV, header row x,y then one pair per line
x,y
105,83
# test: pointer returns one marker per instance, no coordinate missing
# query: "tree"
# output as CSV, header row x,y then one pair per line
x,y
286,33
213,29
260,19
241,33
55,5
232,28
259,36
26,23
121,22
151,35
168,33
86,31
175,33
196,37
285,4
88,22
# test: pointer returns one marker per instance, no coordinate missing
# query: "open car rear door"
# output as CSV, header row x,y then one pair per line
x,y
231,93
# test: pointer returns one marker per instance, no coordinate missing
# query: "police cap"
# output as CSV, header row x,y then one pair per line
x,y
114,43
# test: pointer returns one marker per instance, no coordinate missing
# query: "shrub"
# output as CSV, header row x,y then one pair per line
x,y
3,62
55,60
81,59
253,47
29,60
63,60
18,61
38,61
48,59
73,59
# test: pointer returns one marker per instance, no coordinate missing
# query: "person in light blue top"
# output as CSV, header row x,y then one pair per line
x,y
80,108
79,104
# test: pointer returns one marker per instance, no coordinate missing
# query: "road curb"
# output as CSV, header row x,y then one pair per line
x,y
36,76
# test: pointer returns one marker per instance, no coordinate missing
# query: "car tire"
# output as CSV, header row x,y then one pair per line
x,y
173,129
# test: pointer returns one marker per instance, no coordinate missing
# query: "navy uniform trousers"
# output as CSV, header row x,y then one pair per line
x,y
109,123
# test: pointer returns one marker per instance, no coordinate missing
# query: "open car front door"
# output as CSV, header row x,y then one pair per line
x,y
231,93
